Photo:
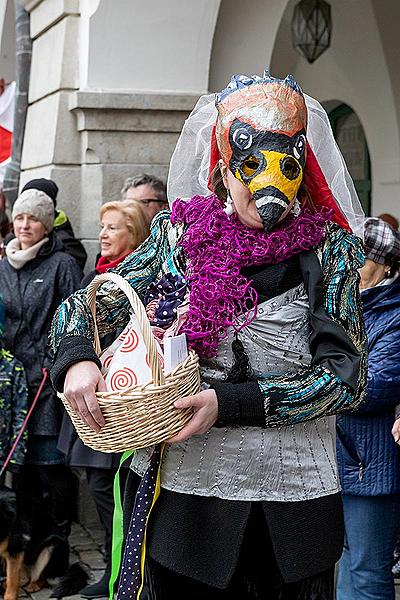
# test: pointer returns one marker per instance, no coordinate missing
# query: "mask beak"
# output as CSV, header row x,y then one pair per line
x,y
270,207
275,187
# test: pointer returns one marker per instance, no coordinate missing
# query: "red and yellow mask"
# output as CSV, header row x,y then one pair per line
x,y
261,137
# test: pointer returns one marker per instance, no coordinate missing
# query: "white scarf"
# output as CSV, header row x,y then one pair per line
x,y
18,257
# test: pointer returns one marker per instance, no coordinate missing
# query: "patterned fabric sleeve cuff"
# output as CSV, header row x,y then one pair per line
x,y
397,413
72,349
240,404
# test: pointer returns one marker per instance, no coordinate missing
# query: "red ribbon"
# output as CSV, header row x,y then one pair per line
x,y
24,424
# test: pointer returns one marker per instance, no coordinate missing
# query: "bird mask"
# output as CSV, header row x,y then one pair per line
x,y
261,137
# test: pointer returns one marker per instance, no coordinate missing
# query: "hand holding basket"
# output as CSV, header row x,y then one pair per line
x,y
141,415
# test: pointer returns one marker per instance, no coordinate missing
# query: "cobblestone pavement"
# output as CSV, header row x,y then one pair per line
x,y
86,546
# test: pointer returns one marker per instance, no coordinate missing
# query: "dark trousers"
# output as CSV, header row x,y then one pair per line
x,y
101,484
46,495
257,576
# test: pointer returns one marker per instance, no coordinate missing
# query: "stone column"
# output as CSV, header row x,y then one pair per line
x,y
121,135
51,144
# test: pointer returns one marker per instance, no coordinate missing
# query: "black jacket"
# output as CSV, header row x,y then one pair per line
x,y
368,457
31,296
65,233
306,536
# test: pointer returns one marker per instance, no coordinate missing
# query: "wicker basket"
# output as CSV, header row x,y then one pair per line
x,y
142,415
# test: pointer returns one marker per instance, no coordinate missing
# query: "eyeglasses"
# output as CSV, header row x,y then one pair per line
x,y
148,201
111,228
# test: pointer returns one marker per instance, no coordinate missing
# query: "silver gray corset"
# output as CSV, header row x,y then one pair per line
x,y
250,463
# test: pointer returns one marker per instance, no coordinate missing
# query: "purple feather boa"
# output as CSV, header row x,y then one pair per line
x,y
216,248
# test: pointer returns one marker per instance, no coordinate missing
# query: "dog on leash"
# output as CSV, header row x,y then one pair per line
x,y
32,553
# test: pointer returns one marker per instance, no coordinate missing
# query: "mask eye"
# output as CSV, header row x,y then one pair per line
x,y
290,168
250,166
299,147
242,138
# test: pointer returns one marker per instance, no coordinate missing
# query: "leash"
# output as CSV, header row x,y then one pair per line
x,y
24,424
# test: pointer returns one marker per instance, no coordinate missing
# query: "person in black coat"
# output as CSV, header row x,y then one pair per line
x,y
368,458
35,277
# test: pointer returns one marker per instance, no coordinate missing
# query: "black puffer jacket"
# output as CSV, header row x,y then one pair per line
x,y
31,296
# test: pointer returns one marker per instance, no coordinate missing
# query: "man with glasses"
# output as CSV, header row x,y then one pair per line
x,y
148,191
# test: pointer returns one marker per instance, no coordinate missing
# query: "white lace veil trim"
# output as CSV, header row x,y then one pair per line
x,y
190,162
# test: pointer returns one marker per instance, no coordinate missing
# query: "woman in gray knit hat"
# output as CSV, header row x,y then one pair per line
x,y
36,275
33,217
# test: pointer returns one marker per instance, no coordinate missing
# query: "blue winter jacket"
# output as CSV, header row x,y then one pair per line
x,y
368,458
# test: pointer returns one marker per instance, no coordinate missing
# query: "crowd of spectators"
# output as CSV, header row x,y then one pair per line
x,y
42,263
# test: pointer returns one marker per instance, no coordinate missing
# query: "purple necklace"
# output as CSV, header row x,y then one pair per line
x,y
217,247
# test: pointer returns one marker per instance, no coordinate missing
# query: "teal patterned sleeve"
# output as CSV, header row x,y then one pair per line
x,y
140,268
336,379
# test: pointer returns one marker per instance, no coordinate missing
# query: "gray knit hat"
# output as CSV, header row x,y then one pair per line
x,y
36,203
381,243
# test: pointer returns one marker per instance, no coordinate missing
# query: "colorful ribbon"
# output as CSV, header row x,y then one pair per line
x,y
118,528
132,569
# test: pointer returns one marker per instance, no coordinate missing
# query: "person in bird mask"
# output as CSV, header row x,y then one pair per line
x,y
257,263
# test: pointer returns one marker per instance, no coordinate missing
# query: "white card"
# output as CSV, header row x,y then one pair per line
x,y
175,351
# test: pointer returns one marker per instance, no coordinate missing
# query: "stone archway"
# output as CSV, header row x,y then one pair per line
x,y
350,137
341,72
244,38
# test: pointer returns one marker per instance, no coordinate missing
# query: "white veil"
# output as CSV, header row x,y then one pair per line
x,y
190,162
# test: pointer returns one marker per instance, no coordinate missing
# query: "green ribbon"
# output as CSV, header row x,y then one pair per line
x,y
118,528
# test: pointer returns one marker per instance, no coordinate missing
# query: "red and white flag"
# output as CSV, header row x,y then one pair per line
x,y
7,99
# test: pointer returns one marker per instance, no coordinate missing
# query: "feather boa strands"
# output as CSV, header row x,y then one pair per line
x,y
216,248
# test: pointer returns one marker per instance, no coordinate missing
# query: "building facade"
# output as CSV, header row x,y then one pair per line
x,y
112,82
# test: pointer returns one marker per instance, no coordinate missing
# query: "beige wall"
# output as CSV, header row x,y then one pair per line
x,y
244,38
150,46
112,82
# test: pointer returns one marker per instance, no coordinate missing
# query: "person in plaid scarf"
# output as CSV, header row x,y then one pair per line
x,y
369,461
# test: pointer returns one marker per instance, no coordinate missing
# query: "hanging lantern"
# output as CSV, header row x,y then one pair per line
x,y
311,28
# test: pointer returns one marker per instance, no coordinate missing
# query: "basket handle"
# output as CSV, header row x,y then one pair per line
x,y
139,311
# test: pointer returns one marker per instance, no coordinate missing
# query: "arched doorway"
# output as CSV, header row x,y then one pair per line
x,y
350,137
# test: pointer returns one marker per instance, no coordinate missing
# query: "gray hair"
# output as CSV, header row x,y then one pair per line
x,y
156,184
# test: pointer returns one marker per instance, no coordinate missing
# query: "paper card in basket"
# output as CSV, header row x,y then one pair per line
x,y
125,362
175,351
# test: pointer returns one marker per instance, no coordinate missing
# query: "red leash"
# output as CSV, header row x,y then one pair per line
x,y
24,424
